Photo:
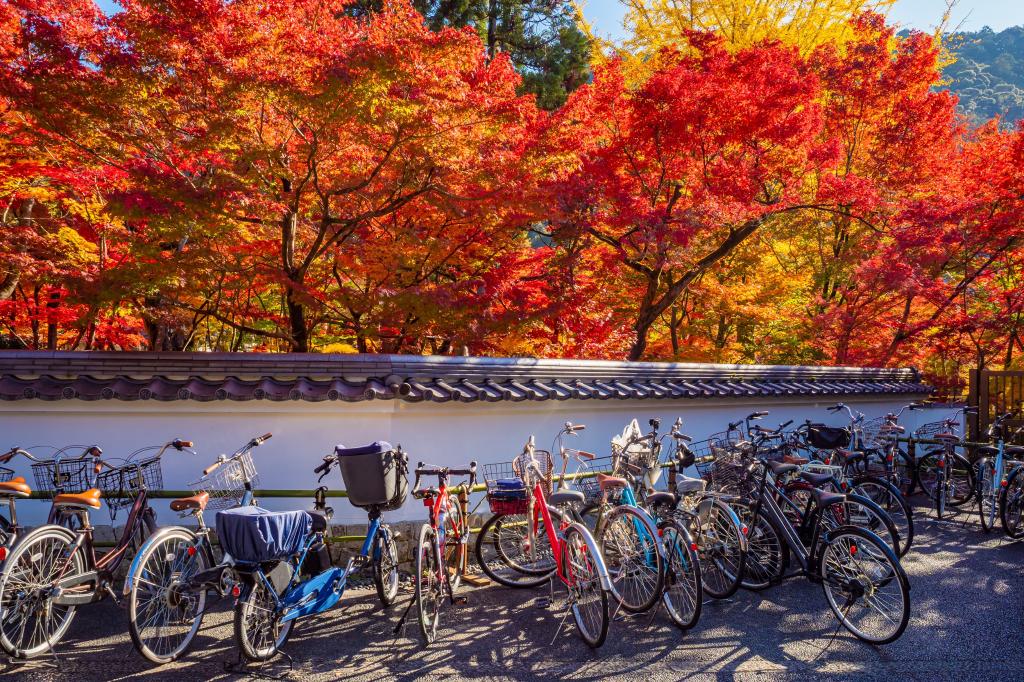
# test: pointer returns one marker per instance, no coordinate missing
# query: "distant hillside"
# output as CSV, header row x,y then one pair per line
x,y
989,73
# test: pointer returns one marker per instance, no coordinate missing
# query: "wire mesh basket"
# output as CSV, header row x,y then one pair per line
x,y
726,470
121,486
503,496
226,484
6,474
588,485
935,430
64,476
871,434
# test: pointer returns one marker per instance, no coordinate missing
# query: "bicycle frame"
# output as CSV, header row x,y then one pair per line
x,y
555,537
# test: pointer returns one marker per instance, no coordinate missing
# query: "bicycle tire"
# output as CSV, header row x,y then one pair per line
x,y
962,480
854,563
858,507
455,544
684,592
255,618
385,566
633,554
888,497
720,548
1011,505
150,570
501,542
767,551
988,502
587,596
35,540
428,595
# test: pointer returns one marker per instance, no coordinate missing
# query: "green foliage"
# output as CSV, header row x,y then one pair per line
x,y
988,75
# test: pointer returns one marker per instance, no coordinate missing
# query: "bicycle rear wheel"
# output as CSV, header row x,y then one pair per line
x,y
633,555
988,501
30,623
892,502
861,512
1011,505
959,477
767,551
163,618
507,554
865,585
684,595
588,598
385,566
259,632
720,539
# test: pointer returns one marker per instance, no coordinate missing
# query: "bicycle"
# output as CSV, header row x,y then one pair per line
x,y
175,570
52,570
531,534
863,581
441,548
943,474
992,471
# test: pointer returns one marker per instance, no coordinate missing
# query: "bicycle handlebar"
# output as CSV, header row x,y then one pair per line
x,y
255,442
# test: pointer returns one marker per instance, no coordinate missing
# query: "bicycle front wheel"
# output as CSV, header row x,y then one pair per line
x,y
767,551
720,539
588,598
865,585
861,512
259,632
892,502
30,622
684,595
514,549
164,616
455,543
988,499
633,555
385,566
958,478
428,584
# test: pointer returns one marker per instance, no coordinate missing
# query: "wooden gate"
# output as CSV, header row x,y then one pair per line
x,y
995,393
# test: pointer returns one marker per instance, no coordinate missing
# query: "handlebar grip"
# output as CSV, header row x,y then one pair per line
x,y
586,455
782,426
8,456
324,467
186,443
578,427
834,408
262,439
733,425
213,467
683,437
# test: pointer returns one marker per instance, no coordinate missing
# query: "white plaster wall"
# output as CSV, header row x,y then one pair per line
x,y
439,433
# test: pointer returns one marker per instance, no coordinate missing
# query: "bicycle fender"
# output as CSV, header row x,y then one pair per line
x,y
602,569
129,581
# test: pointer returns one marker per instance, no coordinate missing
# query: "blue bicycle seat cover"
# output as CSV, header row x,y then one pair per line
x,y
377,448
253,534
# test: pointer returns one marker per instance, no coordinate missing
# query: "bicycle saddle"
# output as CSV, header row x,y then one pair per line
x,y
1014,450
990,450
849,455
565,497
89,499
16,487
667,499
319,520
198,501
815,478
779,468
686,485
611,482
825,498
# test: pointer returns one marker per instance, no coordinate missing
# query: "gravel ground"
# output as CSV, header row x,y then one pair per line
x,y
967,622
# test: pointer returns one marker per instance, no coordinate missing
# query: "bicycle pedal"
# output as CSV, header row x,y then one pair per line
x,y
460,600
542,602
110,593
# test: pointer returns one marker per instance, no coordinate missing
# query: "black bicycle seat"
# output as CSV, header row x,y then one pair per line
x,y
815,478
565,497
825,498
667,499
779,468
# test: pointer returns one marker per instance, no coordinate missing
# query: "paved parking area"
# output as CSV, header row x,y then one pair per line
x,y
967,623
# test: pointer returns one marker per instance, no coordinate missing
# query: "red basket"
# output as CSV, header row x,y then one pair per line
x,y
499,506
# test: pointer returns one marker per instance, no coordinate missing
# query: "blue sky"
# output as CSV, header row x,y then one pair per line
x,y
606,15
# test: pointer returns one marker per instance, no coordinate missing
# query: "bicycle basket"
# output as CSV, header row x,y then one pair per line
x,y
932,429
726,471
6,474
870,436
375,475
120,486
66,476
587,484
826,437
507,492
226,484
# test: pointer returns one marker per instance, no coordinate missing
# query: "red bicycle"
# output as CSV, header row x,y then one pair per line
x,y
441,551
535,539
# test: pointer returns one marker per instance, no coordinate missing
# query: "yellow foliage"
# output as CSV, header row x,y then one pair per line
x,y
345,348
653,24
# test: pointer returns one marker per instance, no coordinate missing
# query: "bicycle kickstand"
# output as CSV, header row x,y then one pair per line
x,y
405,614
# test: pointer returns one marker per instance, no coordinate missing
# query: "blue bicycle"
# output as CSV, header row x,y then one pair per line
x,y
282,568
996,466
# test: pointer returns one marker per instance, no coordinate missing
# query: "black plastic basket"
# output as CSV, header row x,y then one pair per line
x,y
66,476
121,486
6,474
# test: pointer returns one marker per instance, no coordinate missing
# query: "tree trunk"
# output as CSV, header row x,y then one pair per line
x,y
9,282
297,320
51,320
